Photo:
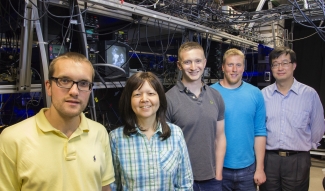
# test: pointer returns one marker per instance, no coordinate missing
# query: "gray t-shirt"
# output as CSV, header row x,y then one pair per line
x,y
197,117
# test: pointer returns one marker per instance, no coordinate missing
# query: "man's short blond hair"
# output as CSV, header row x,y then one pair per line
x,y
188,46
233,52
74,56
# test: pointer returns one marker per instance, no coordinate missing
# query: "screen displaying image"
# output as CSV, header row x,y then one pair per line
x,y
116,55
55,50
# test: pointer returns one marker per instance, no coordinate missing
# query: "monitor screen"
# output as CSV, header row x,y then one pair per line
x,y
116,55
115,59
55,50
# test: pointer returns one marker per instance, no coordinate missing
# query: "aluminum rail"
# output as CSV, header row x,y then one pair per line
x,y
128,8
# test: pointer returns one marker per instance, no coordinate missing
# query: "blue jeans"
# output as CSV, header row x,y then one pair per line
x,y
239,179
208,185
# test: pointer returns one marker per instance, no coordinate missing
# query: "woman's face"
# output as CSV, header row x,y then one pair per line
x,y
145,102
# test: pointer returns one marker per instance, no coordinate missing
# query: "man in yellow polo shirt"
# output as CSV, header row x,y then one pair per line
x,y
59,149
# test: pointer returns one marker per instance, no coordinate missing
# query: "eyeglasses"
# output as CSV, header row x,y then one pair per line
x,y
67,84
196,61
284,64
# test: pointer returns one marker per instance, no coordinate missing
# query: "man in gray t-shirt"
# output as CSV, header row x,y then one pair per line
x,y
199,111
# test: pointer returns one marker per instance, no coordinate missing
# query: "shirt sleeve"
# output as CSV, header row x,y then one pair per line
x,y
260,116
8,172
221,106
169,110
117,185
317,124
184,172
108,176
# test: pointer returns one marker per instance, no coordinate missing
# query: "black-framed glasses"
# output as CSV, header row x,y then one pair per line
x,y
67,83
284,64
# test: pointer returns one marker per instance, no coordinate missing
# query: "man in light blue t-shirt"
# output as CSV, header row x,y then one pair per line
x,y
244,126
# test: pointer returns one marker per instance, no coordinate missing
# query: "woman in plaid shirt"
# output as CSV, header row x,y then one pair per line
x,y
149,154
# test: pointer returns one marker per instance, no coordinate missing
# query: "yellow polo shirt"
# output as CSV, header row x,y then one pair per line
x,y
36,156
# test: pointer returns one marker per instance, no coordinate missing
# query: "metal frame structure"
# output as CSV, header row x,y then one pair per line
x,y
23,82
114,8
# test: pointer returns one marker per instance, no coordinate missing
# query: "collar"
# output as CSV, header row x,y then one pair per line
x,y
183,88
242,82
294,87
158,130
44,125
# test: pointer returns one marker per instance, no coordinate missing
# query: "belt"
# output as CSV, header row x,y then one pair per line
x,y
285,153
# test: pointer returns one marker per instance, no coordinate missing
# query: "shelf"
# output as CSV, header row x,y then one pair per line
x,y
117,84
317,153
9,89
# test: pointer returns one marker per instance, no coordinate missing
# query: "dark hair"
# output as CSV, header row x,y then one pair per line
x,y
129,118
278,51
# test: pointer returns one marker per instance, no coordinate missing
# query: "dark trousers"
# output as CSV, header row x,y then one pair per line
x,y
286,173
207,185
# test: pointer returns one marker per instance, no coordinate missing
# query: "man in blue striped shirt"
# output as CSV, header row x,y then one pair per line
x,y
295,125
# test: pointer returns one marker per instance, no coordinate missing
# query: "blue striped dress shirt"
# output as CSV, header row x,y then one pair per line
x,y
151,165
294,121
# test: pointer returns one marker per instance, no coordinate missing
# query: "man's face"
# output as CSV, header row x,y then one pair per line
x,y
71,102
192,64
233,69
282,68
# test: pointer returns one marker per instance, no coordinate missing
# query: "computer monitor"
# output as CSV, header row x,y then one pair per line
x,y
116,54
56,49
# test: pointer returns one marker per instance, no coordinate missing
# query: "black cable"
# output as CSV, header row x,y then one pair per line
x,y
54,20
147,37
132,55
320,32
159,34
79,14
12,110
22,15
118,117
171,40
104,83
113,69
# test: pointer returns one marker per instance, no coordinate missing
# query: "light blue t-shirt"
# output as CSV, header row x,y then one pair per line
x,y
244,119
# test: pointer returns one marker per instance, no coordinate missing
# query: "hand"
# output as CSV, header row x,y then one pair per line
x,y
219,177
259,177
